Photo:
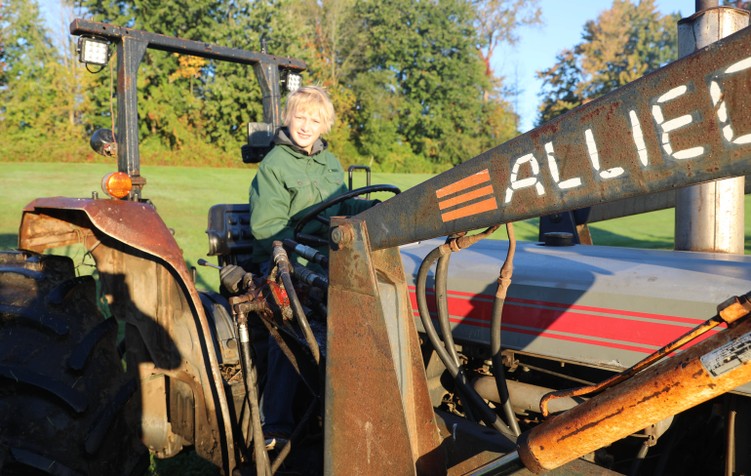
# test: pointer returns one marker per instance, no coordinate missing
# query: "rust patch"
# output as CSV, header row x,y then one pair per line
x,y
664,390
593,424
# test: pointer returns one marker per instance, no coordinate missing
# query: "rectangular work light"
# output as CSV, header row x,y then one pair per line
x,y
93,50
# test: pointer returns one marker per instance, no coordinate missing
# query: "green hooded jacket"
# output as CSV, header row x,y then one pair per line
x,y
289,182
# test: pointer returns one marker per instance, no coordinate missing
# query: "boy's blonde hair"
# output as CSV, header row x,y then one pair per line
x,y
311,99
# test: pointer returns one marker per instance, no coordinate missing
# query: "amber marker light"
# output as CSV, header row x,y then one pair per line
x,y
117,184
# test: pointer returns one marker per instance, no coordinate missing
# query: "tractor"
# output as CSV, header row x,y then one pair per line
x,y
552,356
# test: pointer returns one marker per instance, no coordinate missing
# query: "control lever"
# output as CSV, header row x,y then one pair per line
x,y
232,277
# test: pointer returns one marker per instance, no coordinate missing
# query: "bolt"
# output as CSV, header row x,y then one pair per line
x,y
341,236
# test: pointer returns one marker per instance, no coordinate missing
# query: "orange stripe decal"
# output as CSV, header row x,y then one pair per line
x,y
465,197
474,209
457,194
463,184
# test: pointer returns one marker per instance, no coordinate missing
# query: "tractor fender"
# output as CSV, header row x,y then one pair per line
x,y
147,284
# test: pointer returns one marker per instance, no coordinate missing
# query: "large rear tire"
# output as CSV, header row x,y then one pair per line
x,y
66,401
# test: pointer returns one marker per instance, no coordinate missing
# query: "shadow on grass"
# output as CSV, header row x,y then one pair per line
x,y
608,238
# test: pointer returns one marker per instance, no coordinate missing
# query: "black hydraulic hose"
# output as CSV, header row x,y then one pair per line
x,y
310,277
441,302
282,262
458,373
420,285
504,280
498,372
249,377
310,254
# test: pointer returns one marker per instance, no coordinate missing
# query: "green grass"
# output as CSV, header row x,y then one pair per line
x,y
183,196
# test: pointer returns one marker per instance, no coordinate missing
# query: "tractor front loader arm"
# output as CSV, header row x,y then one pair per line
x,y
687,123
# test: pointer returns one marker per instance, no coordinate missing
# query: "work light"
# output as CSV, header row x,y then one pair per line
x,y
93,50
292,81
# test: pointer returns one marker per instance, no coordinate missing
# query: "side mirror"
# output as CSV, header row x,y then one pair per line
x,y
104,143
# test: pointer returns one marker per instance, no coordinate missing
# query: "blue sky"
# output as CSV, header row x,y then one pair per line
x,y
537,48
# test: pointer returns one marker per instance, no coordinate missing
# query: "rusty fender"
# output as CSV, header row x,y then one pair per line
x,y
148,285
706,370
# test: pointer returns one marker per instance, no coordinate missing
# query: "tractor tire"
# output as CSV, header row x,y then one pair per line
x,y
67,403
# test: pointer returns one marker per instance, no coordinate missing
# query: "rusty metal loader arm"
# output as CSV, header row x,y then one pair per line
x,y
687,123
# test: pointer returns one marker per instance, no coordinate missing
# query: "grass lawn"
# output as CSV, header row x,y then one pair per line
x,y
183,196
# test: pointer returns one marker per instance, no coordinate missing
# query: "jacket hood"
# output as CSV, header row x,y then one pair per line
x,y
282,138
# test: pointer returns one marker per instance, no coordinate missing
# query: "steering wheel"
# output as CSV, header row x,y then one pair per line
x,y
315,212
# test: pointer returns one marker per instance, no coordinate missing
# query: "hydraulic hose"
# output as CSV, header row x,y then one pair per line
x,y
309,277
441,302
640,457
249,376
457,373
282,263
504,280
310,254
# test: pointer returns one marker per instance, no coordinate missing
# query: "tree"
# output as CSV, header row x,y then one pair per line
x,y
420,74
563,86
29,75
626,42
497,22
324,29
407,94
188,103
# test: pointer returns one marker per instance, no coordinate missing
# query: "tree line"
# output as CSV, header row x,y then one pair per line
x,y
411,80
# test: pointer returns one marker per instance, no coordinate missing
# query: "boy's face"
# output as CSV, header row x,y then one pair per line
x,y
305,128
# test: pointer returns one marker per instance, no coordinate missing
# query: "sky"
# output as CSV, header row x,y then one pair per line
x,y
538,46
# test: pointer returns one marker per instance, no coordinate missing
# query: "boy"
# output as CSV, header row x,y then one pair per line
x,y
297,174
